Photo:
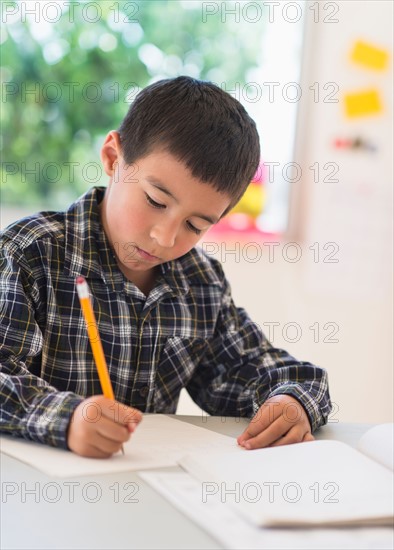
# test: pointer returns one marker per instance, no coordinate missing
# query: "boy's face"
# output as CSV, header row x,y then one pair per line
x,y
154,210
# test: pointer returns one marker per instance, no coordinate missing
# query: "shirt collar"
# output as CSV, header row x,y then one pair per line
x,y
87,250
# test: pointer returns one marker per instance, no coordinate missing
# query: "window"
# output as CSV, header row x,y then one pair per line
x,y
69,70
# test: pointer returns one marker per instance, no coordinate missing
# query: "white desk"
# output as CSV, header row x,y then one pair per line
x,y
94,512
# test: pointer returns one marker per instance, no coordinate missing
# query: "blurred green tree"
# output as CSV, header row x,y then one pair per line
x,y
70,71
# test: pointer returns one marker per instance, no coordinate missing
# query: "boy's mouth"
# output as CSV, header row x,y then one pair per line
x,y
146,256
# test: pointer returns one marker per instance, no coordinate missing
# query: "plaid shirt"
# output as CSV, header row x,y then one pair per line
x,y
186,334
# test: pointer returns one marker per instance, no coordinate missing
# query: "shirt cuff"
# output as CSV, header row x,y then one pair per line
x,y
49,422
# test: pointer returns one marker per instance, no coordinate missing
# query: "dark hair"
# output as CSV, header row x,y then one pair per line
x,y
201,125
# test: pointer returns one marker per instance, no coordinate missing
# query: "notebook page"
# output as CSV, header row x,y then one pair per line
x,y
231,530
313,483
159,441
378,444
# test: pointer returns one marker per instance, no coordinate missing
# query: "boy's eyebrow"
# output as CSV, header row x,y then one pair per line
x,y
159,185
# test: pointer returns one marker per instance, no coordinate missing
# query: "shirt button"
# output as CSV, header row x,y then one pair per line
x,y
144,391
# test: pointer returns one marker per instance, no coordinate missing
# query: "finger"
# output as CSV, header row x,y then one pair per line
x,y
112,430
268,436
294,435
129,415
126,415
265,416
247,434
132,419
255,426
97,452
120,413
105,445
90,451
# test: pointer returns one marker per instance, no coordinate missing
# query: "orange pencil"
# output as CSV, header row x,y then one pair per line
x,y
94,338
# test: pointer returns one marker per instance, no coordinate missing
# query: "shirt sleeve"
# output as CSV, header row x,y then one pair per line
x,y
241,370
30,407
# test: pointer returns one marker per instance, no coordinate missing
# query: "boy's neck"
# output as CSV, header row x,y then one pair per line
x,y
144,280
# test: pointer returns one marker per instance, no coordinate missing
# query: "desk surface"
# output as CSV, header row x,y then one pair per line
x,y
112,511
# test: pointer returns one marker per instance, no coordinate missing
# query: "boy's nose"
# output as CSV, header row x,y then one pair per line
x,y
164,234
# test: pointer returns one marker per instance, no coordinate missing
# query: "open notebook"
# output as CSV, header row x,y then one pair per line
x,y
318,483
158,442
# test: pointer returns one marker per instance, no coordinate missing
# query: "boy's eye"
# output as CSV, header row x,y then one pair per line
x,y
194,229
154,203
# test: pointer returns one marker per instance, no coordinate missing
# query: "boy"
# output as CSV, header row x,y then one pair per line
x,y
182,158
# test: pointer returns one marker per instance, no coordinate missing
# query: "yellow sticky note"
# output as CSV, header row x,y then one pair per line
x,y
370,56
363,103
252,201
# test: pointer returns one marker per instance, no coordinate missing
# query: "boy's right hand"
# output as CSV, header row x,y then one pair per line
x,y
99,426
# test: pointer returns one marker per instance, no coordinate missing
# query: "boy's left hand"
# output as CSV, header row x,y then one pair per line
x,y
281,420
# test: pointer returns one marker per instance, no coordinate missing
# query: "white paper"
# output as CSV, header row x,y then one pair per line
x,y
313,483
159,441
229,528
378,444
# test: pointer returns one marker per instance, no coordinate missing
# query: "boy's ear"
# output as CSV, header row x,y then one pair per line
x,y
111,152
